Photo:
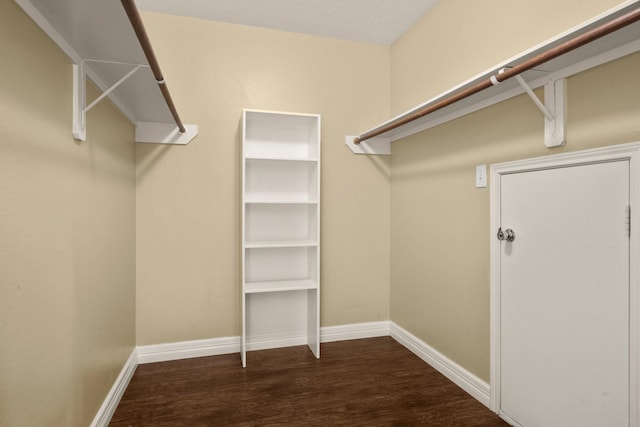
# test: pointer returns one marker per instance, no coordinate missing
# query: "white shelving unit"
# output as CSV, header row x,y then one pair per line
x,y
280,231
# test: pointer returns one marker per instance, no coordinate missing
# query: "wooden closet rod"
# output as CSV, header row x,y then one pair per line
x,y
578,41
143,38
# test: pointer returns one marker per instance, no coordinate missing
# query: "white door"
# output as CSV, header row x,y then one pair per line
x,y
564,296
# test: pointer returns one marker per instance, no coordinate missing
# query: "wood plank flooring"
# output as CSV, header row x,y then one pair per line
x,y
368,382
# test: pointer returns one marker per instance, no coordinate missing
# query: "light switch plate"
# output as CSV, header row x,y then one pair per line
x,y
481,176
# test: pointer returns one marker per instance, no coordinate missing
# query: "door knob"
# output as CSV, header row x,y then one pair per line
x,y
509,235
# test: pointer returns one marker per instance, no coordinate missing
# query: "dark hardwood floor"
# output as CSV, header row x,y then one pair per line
x,y
368,382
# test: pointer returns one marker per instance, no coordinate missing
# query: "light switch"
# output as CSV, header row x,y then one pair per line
x,y
481,176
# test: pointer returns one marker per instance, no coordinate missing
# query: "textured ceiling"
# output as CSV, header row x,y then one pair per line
x,y
369,21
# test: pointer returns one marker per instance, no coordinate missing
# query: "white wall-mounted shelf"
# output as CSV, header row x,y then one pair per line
x,y
615,45
280,227
256,200
283,159
280,244
280,286
98,38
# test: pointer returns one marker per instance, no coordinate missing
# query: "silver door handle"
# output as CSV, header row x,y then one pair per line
x,y
509,235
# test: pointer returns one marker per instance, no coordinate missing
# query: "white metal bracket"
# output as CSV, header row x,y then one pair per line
x,y
80,97
554,110
377,145
555,132
158,133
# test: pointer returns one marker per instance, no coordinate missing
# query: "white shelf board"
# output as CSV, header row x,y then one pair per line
x,y
279,201
280,244
279,286
286,159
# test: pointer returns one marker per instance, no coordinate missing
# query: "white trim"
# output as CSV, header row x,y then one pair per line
x,y
276,340
476,387
594,155
187,349
355,331
227,345
110,403
473,385
494,293
621,152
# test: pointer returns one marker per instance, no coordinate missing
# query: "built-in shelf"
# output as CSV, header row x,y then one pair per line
x,y
284,159
280,227
282,201
617,44
279,286
280,244
98,38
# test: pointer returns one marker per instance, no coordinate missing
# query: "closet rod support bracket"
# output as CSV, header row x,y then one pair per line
x,y
148,132
377,145
555,130
80,109
553,109
534,97
79,129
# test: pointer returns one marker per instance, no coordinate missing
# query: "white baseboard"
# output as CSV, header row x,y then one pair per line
x,y
188,349
464,379
354,331
108,408
473,385
276,340
227,345
327,334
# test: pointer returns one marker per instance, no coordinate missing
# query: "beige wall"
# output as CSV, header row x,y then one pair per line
x,y
67,249
188,198
439,220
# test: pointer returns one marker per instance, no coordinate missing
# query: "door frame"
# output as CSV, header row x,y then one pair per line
x,y
622,152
